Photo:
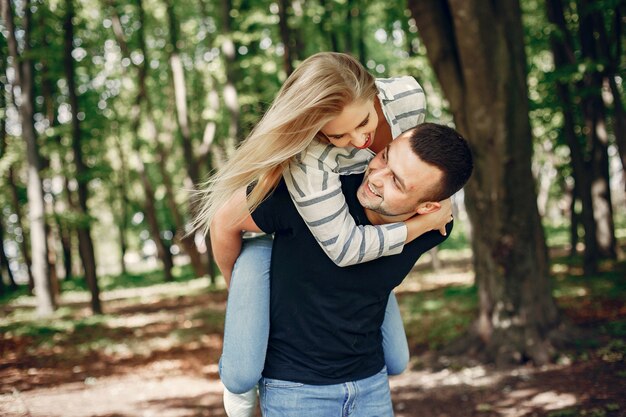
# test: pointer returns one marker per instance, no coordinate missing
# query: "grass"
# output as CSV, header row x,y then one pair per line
x,y
176,314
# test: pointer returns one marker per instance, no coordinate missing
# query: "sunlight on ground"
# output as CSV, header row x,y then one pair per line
x,y
513,402
158,390
420,281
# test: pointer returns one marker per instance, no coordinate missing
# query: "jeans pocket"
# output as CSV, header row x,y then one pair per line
x,y
278,383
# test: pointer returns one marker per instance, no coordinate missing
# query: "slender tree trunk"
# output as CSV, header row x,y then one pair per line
x,y
563,51
285,36
23,67
328,26
348,29
17,209
229,52
193,171
5,267
361,17
597,137
574,221
142,98
85,243
619,116
123,216
12,183
476,50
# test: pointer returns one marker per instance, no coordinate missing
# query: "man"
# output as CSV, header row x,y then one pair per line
x,y
324,355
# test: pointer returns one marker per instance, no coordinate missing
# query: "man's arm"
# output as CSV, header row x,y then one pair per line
x,y
226,230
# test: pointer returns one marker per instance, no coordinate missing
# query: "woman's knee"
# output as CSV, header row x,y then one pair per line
x,y
398,362
239,379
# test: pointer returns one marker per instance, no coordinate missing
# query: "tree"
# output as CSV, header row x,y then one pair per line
x,y
477,52
36,214
182,117
85,243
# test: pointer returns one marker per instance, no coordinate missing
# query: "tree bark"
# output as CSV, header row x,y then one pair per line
x,y
594,113
5,268
476,49
39,247
85,243
563,51
229,52
123,196
142,98
327,25
193,171
285,36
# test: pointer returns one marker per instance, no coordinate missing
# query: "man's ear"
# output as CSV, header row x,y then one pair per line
x,y
428,207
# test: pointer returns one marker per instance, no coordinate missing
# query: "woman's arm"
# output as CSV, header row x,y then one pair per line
x,y
315,188
226,229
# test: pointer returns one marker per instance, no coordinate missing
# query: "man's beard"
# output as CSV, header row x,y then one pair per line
x,y
377,206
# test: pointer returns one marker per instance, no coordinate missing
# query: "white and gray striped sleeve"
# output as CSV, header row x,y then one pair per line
x,y
315,188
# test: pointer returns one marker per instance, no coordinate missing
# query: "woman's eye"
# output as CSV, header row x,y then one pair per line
x,y
365,122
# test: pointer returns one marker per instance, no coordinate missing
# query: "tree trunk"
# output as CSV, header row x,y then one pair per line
x,y
5,267
123,216
193,171
563,51
39,247
163,251
594,113
17,209
360,38
476,49
85,243
230,54
574,221
328,26
285,36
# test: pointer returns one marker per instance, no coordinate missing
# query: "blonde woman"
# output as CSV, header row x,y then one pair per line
x,y
327,120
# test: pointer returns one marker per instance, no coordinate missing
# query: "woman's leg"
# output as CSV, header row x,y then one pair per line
x,y
395,344
246,328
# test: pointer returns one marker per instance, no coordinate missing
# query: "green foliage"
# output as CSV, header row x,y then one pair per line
x,y
433,318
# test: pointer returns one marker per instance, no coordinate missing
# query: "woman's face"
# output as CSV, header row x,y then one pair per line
x,y
355,126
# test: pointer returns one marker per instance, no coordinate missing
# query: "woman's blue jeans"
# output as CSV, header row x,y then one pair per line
x,y
246,329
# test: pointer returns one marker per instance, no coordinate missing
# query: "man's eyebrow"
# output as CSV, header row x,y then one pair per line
x,y
400,180
341,134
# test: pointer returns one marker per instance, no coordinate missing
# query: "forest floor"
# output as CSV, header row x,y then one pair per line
x,y
155,351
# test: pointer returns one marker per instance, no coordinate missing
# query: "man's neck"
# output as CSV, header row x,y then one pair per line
x,y
376,218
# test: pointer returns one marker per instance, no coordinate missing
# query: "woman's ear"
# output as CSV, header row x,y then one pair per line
x,y
428,207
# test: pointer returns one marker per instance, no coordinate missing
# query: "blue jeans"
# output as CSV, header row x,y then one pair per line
x,y
246,329
369,397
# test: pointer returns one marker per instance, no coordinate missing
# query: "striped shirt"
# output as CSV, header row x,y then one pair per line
x,y
312,179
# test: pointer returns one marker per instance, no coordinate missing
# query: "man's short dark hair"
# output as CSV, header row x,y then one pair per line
x,y
446,149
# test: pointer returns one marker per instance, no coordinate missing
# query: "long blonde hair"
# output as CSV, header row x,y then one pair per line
x,y
314,94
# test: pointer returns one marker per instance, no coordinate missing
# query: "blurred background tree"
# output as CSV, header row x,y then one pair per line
x,y
112,111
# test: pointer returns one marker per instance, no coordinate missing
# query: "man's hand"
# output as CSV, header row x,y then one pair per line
x,y
226,227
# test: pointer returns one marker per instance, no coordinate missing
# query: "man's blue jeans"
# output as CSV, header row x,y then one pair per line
x,y
246,328
369,397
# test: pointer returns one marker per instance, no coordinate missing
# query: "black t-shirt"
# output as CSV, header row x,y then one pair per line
x,y
325,320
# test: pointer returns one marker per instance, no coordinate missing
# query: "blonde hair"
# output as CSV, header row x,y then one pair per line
x,y
314,94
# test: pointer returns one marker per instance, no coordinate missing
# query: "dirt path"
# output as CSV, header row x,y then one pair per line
x,y
591,388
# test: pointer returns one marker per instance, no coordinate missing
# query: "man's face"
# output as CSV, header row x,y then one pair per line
x,y
397,182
